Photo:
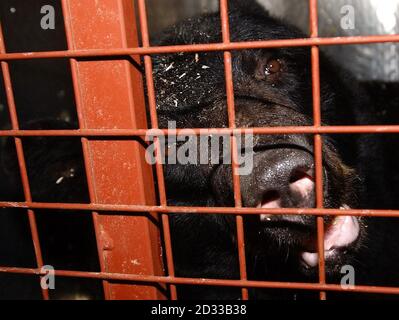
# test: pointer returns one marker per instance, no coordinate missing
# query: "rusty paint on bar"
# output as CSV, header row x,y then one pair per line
x,y
377,129
154,121
207,282
318,145
21,160
119,164
126,209
224,16
117,53
84,140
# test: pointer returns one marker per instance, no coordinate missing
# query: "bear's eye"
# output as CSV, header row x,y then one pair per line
x,y
273,66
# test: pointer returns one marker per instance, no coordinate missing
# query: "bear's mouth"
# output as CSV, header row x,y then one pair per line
x,y
341,232
339,235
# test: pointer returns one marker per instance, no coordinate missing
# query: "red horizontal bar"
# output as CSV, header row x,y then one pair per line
x,y
302,42
201,281
201,131
200,210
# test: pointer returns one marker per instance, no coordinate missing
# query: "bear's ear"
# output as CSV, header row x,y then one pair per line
x,y
251,7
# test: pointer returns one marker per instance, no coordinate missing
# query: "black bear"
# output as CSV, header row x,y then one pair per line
x,y
272,87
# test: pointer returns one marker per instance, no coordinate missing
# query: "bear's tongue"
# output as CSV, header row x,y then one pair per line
x,y
341,232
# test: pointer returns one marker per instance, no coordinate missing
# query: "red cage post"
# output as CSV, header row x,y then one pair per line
x,y
109,95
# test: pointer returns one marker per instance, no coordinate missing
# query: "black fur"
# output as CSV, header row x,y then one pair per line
x,y
356,165
190,88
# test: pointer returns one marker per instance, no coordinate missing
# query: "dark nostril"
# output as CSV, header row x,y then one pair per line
x,y
299,174
270,196
270,199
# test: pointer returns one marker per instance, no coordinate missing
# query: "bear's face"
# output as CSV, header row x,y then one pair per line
x,y
272,88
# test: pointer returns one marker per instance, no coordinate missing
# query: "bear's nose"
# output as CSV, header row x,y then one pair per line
x,y
281,178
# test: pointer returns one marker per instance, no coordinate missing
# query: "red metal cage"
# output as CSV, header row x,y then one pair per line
x,y
108,28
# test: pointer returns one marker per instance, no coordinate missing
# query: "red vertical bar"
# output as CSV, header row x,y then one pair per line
x,y
109,94
317,142
224,16
154,120
21,160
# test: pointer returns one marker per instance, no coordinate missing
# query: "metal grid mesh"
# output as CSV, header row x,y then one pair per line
x,y
146,51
